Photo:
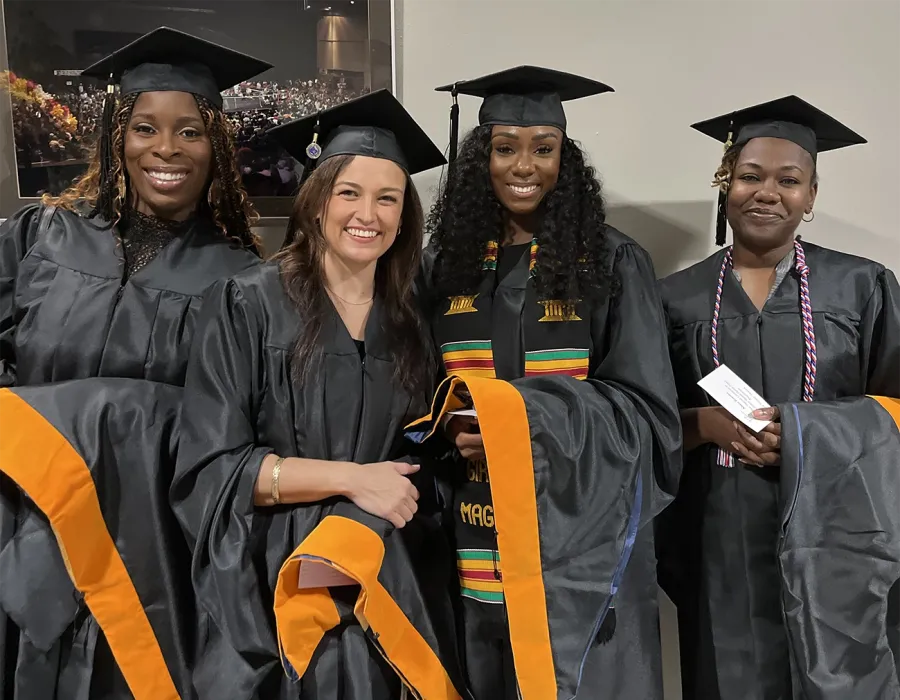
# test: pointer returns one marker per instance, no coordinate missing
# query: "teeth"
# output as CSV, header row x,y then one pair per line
x,y
518,189
361,232
166,176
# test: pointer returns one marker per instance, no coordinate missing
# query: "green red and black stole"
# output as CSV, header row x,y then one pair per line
x,y
557,340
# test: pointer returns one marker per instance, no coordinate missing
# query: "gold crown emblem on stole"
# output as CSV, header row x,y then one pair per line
x,y
555,310
461,305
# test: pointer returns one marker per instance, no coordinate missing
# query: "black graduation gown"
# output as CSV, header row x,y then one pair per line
x,y
241,403
95,457
838,547
717,540
604,461
65,314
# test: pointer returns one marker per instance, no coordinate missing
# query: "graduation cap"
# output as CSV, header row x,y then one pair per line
x,y
374,125
521,96
169,60
788,118
165,60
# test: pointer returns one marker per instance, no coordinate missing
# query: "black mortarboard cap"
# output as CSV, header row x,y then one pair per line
x,y
169,60
164,60
788,118
374,125
523,96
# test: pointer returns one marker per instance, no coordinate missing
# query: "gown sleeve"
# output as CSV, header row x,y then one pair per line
x,y
635,373
17,235
825,466
217,468
881,340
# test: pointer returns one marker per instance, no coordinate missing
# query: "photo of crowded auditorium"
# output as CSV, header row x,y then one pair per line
x,y
325,52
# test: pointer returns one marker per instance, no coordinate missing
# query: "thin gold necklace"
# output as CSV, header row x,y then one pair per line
x,y
351,303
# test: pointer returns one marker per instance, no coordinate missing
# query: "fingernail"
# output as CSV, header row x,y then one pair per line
x,y
736,445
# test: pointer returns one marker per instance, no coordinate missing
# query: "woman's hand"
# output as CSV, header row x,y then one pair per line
x,y
762,449
463,431
382,489
708,425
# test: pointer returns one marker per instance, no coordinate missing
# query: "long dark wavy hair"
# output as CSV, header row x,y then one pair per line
x,y
302,273
226,204
467,215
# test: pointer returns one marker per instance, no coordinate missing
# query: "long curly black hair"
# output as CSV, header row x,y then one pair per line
x,y
467,215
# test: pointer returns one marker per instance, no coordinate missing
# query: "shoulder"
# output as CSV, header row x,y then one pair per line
x,y
230,257
625,253
687,294
256,283
697,276
620,242
841,281
25,225
29,218
830,259
260,294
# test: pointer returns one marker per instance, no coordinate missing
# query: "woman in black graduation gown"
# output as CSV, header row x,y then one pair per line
x,y
105,281
798,323
529,285
304,374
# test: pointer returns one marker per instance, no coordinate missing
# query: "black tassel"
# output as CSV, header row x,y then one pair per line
x,y
454,125
721,220
608,628
104,205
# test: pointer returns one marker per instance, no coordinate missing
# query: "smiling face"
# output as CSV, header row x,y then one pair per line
x,y
524,165
772,187
362,215
168,154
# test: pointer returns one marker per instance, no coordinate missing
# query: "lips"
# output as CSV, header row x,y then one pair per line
x,y
524,191
762,214
165,179
362,234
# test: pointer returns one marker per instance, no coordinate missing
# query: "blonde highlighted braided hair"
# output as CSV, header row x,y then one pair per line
x,y
226,203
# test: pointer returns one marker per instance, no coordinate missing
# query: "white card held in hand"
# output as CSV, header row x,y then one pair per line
x,y
735,396
314,574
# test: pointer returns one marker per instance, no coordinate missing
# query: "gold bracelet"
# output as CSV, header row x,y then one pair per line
x,y
276,475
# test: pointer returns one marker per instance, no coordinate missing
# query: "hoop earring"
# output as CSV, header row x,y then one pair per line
x,y
812,215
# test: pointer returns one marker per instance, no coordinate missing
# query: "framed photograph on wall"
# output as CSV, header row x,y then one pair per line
x,y
324,52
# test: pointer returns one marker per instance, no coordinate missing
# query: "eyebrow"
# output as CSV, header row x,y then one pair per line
x,y
188,118
350,183
543,136
783,168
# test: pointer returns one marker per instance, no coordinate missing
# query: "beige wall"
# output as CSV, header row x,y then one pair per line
x,y
674,62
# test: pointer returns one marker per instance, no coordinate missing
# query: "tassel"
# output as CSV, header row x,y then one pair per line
x,y
454,125
721,220
104,201
607,628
